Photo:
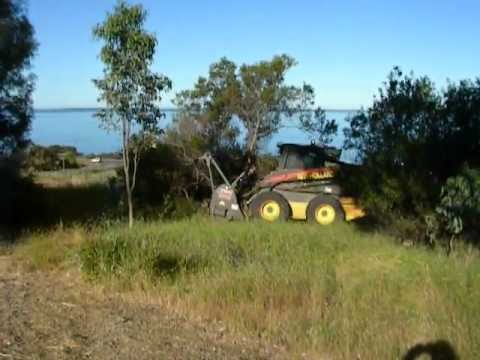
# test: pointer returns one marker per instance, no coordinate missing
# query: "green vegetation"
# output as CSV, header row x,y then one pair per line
x,y
75,177
17,47
337,292
410,141
130,89
51,158
254,98
459,206
50,250
334,292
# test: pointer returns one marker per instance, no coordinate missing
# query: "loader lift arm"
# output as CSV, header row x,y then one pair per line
x,y
209,161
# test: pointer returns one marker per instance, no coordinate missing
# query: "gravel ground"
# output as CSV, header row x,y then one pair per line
x,y
57,316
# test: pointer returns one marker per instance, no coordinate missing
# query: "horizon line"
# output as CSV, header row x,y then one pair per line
x,y
167,109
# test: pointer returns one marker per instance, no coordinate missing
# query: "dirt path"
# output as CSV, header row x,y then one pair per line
x,y
47,316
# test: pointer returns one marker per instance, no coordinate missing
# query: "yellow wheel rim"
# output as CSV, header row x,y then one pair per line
x,y
325,214
270,210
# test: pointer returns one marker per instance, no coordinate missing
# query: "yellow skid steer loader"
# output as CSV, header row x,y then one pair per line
x,y
303,187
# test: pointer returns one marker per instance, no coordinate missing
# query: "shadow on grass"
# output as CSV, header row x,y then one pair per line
x,y
439,350
37,207
407,230
76,203
366,224
170,266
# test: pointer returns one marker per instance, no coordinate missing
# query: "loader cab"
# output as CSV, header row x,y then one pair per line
x,y
299,157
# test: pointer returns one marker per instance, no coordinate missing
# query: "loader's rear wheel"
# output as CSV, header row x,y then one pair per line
x,y
270,206
324,210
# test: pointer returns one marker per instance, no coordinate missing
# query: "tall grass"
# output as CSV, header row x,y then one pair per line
x,y
50,250
333,291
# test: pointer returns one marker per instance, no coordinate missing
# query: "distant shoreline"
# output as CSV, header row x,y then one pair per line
x,y
55,110
50,110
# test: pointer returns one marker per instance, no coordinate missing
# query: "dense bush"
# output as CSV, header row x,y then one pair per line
x,y
167,176
69,160
40,158
162,172
167,186
410,141
59,149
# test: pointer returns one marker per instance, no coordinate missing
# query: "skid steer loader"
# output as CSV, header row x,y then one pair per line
x,y
303,187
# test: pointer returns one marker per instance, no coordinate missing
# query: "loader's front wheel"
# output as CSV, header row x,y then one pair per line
x,y
270,206
325,210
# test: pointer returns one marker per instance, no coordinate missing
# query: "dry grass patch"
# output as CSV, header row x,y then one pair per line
x,y
49,250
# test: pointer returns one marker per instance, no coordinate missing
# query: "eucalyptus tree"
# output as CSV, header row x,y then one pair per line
x,y
130,90
253,96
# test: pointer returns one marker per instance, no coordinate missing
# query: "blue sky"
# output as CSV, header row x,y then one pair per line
x,y
344,48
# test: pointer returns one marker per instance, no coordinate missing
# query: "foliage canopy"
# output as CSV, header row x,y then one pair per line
x,y
17,47
252,101
130,90
412,139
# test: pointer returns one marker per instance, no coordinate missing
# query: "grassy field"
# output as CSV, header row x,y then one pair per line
x,y
75,177
332,292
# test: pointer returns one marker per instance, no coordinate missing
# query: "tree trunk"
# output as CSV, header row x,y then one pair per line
x,y
126,169
128,192
130,209
250,160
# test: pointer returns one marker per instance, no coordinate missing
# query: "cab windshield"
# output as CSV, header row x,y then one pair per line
x,y
301,158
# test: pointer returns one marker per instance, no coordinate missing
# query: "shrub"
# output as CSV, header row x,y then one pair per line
x,y
40,158
58,149
55,157
411,140
163,172
459,206
166,171
69,160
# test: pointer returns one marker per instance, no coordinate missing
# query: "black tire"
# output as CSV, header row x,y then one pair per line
x,y
329,202
261,200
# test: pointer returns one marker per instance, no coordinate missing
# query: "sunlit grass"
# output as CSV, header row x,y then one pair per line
x,y
50,250
333,291
75,177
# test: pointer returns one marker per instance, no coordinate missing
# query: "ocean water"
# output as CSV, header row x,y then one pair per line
x,y
81,129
